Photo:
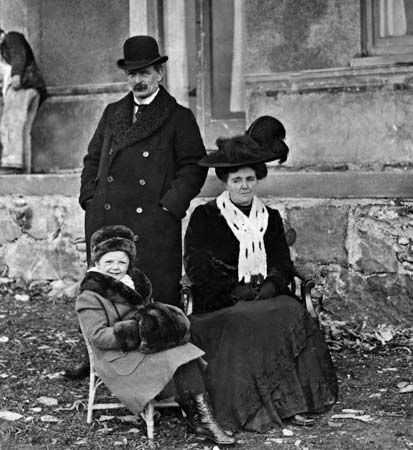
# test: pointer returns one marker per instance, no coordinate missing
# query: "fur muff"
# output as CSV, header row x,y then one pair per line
x,y
155,327
113,238
161,327
127,334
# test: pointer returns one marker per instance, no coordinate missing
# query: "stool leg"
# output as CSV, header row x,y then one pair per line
x,y
92,392
148,417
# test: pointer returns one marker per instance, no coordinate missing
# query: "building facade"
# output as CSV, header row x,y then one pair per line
x,y
337,73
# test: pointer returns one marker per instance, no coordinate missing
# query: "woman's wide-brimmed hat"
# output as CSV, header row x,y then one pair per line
x,y
112,238
263,142
140,52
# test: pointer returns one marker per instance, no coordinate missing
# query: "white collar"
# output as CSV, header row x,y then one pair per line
x,y
147,100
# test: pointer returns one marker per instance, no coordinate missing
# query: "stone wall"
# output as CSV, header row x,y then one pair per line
x,y
345,119
42,238
359,251
292,35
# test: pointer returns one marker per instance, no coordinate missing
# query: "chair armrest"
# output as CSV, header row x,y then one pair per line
x,y
187,299
313,305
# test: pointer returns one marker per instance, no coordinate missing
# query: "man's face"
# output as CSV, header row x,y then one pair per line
x,y
144,82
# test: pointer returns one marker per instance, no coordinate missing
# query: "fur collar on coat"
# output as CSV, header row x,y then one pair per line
x,y
125,132
116,291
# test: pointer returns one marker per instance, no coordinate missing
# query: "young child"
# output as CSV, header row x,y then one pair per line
x,y
134,356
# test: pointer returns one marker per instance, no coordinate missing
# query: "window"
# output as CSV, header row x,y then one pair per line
x,y
220,85
388,30
204,40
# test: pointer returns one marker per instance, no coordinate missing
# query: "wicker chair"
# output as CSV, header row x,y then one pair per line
x,y
94,382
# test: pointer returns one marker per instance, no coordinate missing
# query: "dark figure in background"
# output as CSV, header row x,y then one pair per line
x,y
141,169
24,91
267,358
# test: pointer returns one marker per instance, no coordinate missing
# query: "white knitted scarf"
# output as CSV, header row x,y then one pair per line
x,y
249,231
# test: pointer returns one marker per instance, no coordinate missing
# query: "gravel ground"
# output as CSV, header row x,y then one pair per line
x,y
39,338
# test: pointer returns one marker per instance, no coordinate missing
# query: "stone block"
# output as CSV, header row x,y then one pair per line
x,y
321,233
294,35
379,238
37,218
10,230
63,128
42,260
377,254
383,298
72,221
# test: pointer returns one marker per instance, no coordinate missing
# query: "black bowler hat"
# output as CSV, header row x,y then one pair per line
x,y
140,52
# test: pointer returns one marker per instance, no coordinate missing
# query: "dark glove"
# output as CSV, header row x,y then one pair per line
x,y
243,292
267,290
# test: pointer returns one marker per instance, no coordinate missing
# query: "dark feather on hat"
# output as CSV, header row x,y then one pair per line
x,y
268,131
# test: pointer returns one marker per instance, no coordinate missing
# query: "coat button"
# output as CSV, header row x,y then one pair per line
x,y
107,206
139,210
145,154
142,182
111,151
110,179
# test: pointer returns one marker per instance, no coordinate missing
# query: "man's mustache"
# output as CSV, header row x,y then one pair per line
x,y
140,87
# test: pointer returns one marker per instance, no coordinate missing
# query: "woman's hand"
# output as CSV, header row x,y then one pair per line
x,y
267,290
243,292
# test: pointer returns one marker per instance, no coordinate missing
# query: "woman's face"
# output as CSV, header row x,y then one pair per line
x,y
115,264
241,186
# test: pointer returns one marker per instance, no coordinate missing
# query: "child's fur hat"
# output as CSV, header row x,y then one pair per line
x,y
112,238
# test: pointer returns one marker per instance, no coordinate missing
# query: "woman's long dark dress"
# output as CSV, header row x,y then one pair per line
x,y
267,359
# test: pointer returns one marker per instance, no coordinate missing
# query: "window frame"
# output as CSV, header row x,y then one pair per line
x,y
394,49
201,97
211,128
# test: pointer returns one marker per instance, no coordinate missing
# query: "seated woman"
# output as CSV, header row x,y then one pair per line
x,y
136,348
267,359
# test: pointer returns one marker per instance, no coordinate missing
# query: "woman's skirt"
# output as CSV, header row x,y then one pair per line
x,y
267,361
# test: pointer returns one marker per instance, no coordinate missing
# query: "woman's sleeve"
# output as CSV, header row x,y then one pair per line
x,y
95,322
211,277
280,268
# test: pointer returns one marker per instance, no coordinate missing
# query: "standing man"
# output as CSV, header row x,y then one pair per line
x,y
24,91
141,171
141,168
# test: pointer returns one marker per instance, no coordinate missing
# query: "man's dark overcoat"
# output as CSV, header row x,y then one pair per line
x,y
17,52
132,170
